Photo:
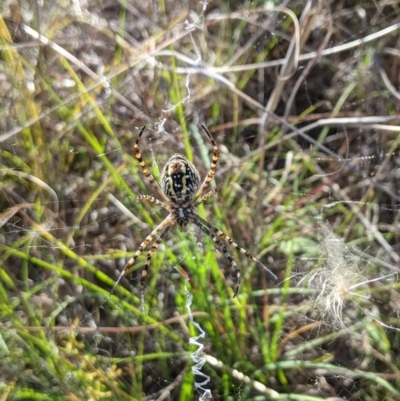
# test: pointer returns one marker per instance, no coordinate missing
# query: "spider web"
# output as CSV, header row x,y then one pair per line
x,y
61,249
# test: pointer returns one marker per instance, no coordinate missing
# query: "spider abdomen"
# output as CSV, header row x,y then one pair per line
x,y
180,180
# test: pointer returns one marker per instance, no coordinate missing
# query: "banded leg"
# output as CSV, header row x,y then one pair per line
x,y
152,199
150,255
205,197
230,241
146,172
224,251
213,168
168,221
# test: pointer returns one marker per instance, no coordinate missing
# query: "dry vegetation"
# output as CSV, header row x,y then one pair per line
x,y
303,101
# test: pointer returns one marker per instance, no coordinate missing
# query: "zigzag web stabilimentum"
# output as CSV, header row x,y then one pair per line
x,y
198,24
197,359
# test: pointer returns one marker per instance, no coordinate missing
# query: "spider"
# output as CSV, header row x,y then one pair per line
x,y
182,193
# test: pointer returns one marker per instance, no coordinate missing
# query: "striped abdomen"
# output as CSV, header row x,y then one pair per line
x,y
180,180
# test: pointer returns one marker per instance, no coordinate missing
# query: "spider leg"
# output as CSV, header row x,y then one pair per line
x,y
150,255
213,168
146,172
167,222
148,198
205,197
224,250
230,241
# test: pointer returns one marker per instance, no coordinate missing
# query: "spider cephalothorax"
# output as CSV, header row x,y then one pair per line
x,y
182,193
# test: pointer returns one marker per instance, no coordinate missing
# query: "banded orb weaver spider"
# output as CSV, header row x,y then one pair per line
x,y
182,193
